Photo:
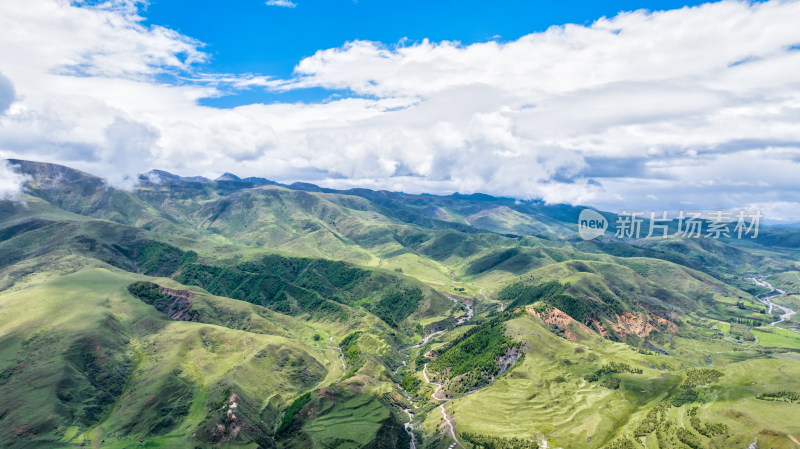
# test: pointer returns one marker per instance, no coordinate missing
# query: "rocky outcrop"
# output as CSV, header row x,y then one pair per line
x,y
642,325
559,318
627,323
177,304
179,308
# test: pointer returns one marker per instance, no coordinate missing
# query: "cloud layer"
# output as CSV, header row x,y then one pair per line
x,y
7,94
695,108
10,182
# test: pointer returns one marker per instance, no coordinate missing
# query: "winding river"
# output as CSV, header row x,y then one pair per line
x,y
767,298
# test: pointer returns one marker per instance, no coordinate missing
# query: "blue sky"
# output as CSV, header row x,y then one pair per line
x,y
620,105
247,36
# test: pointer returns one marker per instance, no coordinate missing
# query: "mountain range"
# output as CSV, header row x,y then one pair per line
x,y
242,312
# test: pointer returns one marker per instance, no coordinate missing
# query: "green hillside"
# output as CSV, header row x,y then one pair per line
x,y
244,313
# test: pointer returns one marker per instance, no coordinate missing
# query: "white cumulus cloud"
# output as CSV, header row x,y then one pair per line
x,y
11,182
696,106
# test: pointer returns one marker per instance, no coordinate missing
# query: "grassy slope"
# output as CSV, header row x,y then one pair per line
x,y
43,320
346,415
401,232
645,277
169,378
547,392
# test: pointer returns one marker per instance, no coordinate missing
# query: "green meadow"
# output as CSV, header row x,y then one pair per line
x,y
215,314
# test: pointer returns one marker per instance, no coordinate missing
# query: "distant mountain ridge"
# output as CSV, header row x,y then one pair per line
x,y
427,210
307,186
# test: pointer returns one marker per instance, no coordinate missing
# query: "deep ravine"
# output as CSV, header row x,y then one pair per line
x,y
449,425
